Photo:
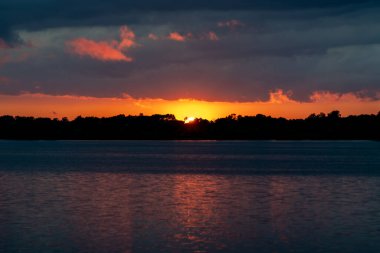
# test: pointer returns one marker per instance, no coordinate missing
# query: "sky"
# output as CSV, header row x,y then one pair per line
x,y
192,58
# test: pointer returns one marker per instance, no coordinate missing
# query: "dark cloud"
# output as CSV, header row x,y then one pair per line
x,y
298,46
52,13
40,14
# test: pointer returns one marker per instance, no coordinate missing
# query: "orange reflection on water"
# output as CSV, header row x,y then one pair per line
x,y
197,210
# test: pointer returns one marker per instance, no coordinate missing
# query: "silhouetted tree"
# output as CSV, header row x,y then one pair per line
x,y
334,115
332,126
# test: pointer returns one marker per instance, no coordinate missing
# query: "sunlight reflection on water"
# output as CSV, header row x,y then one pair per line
x,y
102,212
59,197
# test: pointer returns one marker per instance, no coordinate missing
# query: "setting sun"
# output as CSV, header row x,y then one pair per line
x,y
189,120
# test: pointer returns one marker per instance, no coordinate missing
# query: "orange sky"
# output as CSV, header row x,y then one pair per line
x,y
279,105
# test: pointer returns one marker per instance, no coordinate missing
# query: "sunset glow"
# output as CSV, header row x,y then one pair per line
x,y
279,105
204,64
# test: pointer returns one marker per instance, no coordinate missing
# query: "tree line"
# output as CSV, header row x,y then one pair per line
x,y
331,126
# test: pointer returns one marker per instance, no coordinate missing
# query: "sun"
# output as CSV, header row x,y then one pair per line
x,y
189,120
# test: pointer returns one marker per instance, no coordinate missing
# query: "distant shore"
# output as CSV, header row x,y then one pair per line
x,y
321,126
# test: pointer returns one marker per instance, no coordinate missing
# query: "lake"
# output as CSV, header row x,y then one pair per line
x,y
189,196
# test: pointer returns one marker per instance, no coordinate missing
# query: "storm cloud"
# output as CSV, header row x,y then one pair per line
x,y
211,50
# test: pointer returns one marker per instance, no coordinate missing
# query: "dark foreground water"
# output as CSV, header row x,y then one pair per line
x,y
156,196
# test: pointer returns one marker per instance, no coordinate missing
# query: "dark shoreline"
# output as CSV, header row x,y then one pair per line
x,y
166,127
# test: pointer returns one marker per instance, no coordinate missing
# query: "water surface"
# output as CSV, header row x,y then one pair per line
x,y
157,196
